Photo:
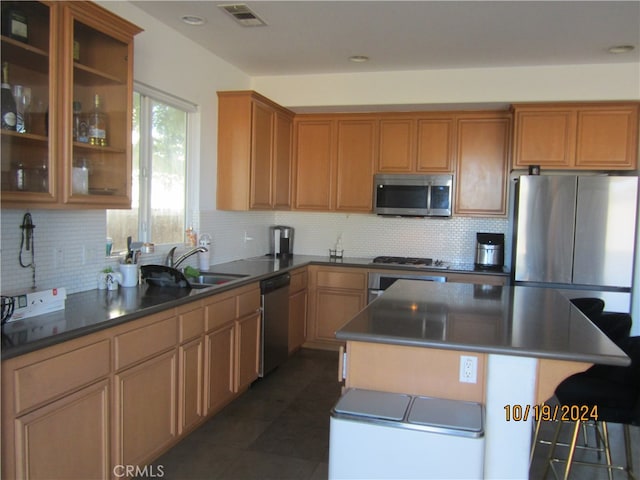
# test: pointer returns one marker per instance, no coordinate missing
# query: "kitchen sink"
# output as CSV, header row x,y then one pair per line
x,y
210,279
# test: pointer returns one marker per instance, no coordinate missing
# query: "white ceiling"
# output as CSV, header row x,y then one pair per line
x,y
312,37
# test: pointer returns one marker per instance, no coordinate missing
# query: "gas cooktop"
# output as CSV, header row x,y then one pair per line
x,y
411,261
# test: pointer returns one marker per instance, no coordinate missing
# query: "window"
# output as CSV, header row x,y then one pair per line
x,y
159,171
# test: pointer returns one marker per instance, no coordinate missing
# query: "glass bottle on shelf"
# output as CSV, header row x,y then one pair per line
x,y
7,101
44,177
77,109
22,97
97,124
19,177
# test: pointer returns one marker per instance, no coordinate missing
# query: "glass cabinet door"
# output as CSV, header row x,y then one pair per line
x,y
96,119
27,167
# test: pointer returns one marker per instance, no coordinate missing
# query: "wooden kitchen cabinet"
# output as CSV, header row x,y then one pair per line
x,y
247,350
232,344
146,409
482,159
190,366
297,309
219,361
334,158
55,411
416,143
69,437
37,166
248,325
356,153
336,295
435,144
314,159
396,145
576,136
254,152
146,363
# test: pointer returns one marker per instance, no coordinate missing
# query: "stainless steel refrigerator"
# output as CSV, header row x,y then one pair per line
x,y
577,234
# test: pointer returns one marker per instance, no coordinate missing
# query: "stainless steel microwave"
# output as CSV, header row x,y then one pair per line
x,y
412,195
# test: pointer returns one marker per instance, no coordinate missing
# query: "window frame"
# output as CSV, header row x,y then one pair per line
x,y
149,94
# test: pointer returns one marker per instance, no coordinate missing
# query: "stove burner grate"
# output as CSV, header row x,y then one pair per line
x,y
405,261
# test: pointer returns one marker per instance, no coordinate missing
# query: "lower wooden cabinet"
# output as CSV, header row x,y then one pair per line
x,y
146,409
190,384
190,366
124,395
247,351
336,295
68,438
219,359
232,344
297,309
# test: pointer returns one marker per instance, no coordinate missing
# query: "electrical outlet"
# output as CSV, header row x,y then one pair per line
x,y
468,369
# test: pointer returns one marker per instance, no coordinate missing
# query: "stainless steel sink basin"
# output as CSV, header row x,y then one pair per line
x,y
210,279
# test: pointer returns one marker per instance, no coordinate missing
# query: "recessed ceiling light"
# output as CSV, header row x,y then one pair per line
x,y
617,49
193,20
359,58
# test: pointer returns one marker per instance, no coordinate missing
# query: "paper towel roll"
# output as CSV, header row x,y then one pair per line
x,y
203,260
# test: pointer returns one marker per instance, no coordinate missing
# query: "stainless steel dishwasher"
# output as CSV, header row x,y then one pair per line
x,y
275,322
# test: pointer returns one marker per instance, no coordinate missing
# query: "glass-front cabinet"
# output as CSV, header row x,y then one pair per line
x,y
28,160
75,151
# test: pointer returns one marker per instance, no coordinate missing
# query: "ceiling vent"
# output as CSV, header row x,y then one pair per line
x,y
243,15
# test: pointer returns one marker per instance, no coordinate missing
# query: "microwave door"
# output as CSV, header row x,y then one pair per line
x,y
401,199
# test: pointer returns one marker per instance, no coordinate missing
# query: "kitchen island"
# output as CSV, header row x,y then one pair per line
x,y
504,347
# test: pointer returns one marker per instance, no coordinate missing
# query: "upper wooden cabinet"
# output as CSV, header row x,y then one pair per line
x,y
254,152
482,159
74,51
415,143
597,136
334,158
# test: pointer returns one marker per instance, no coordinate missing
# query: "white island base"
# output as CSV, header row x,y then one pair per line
x,y
505,385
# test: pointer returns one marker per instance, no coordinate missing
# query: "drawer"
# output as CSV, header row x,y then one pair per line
x,y
356,280
190,322
55,376
298,281
220,311
144,342
248,302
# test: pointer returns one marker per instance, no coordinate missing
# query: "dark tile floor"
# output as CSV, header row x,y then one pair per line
x,y
279,429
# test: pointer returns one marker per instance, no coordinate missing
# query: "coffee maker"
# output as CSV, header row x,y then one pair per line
x,y
490,251
281,241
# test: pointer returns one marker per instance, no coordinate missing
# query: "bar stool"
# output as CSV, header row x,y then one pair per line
x,y
592,307
615,392
615,325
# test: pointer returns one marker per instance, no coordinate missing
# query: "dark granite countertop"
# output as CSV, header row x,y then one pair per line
x,y
521,321
94,310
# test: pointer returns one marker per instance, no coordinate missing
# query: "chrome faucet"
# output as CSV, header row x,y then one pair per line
x,y
169,261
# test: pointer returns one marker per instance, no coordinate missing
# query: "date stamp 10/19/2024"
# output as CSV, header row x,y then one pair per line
x,y
544,412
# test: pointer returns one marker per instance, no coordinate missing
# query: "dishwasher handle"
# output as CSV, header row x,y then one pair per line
x,y
274,283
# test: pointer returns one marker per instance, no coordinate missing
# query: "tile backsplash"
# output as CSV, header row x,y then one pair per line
x,y
365,235
70,245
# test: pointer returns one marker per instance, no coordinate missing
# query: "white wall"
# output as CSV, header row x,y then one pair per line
x,y
458,86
